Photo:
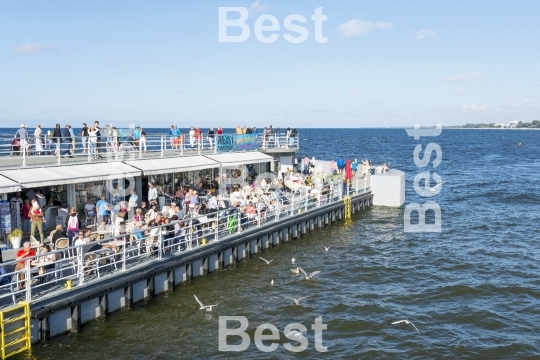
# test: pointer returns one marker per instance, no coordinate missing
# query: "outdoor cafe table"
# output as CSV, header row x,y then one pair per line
x,y
102,233
41,263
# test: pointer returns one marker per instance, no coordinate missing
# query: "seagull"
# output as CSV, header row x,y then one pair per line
x,y
436,186
207,307
296,301
310,276
295,271
267,262
326,248
272,282
295,334
406,322
292,260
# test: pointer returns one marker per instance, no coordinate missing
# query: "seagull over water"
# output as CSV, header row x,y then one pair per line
x,y
310,276
326,248
296,301
436,186
272,282
296,335
267,262
207,307
292,260
406,322
296,271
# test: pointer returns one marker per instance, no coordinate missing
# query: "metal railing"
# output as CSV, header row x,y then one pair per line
x,y
82,148
127,245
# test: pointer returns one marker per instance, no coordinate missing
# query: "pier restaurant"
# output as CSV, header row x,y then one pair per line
x,y
259,205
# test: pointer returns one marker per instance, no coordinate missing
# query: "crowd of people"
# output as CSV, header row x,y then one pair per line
x,y
94,140
63,142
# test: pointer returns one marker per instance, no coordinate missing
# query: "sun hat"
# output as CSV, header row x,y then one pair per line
x,y
23,125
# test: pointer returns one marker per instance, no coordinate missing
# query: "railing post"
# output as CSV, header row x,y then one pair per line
x,y
162,145
124,253
140,148
160,237
80,259
24,154
217,226
182,146
59,147
259,216
28,284
365,183
190,245
239,221
199,141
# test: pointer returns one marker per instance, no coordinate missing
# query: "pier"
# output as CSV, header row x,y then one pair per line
x,y
123,264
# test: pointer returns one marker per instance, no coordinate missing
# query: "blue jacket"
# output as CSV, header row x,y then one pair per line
x,y
340,162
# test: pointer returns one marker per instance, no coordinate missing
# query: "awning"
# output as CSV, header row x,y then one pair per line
x,y
177,164
8,186
241,158
70,174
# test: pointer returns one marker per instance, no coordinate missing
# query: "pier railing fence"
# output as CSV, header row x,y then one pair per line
x,y
127,246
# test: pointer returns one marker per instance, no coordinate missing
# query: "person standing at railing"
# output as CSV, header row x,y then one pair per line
x,y
211,135
92,142
198,137
73,140
191,137
354,167
239,130
65,146
98,135
25,252
108,138
57,139
84,139
276,137
219,130
37,140
22,135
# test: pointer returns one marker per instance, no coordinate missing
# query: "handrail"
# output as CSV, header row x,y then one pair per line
x,y
124,250
81,148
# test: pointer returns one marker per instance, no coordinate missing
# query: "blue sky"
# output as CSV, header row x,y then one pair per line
x,y
386,63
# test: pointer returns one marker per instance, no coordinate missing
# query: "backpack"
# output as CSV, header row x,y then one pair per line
x,y
73,223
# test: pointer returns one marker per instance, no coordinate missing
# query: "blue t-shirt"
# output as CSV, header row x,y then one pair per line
x,y
101,207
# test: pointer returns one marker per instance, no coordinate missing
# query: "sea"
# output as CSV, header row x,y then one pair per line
x,y
472,290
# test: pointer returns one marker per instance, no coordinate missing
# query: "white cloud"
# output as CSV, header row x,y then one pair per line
x,y
462,77
424,34
358,27
353,91
257,8
472,107
31,48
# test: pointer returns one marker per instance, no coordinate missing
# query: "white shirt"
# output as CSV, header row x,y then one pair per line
x,y
133,201
379,170
152,193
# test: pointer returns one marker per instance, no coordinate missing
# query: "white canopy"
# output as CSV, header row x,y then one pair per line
x,y
8,186
178,164
241,158
70,174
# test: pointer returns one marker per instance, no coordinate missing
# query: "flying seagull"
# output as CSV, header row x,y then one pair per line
x,y
296,301
436,186
272,282
295,271
326,248
292,260
310,276
207,307
296,335
406,322
267,262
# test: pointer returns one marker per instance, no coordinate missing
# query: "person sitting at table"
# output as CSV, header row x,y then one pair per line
x,y
22,254
46,256
194,200
151,214
171,211
90,210
57,233
144,208
138,215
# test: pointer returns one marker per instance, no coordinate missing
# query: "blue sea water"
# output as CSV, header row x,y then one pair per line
x,y
472,290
